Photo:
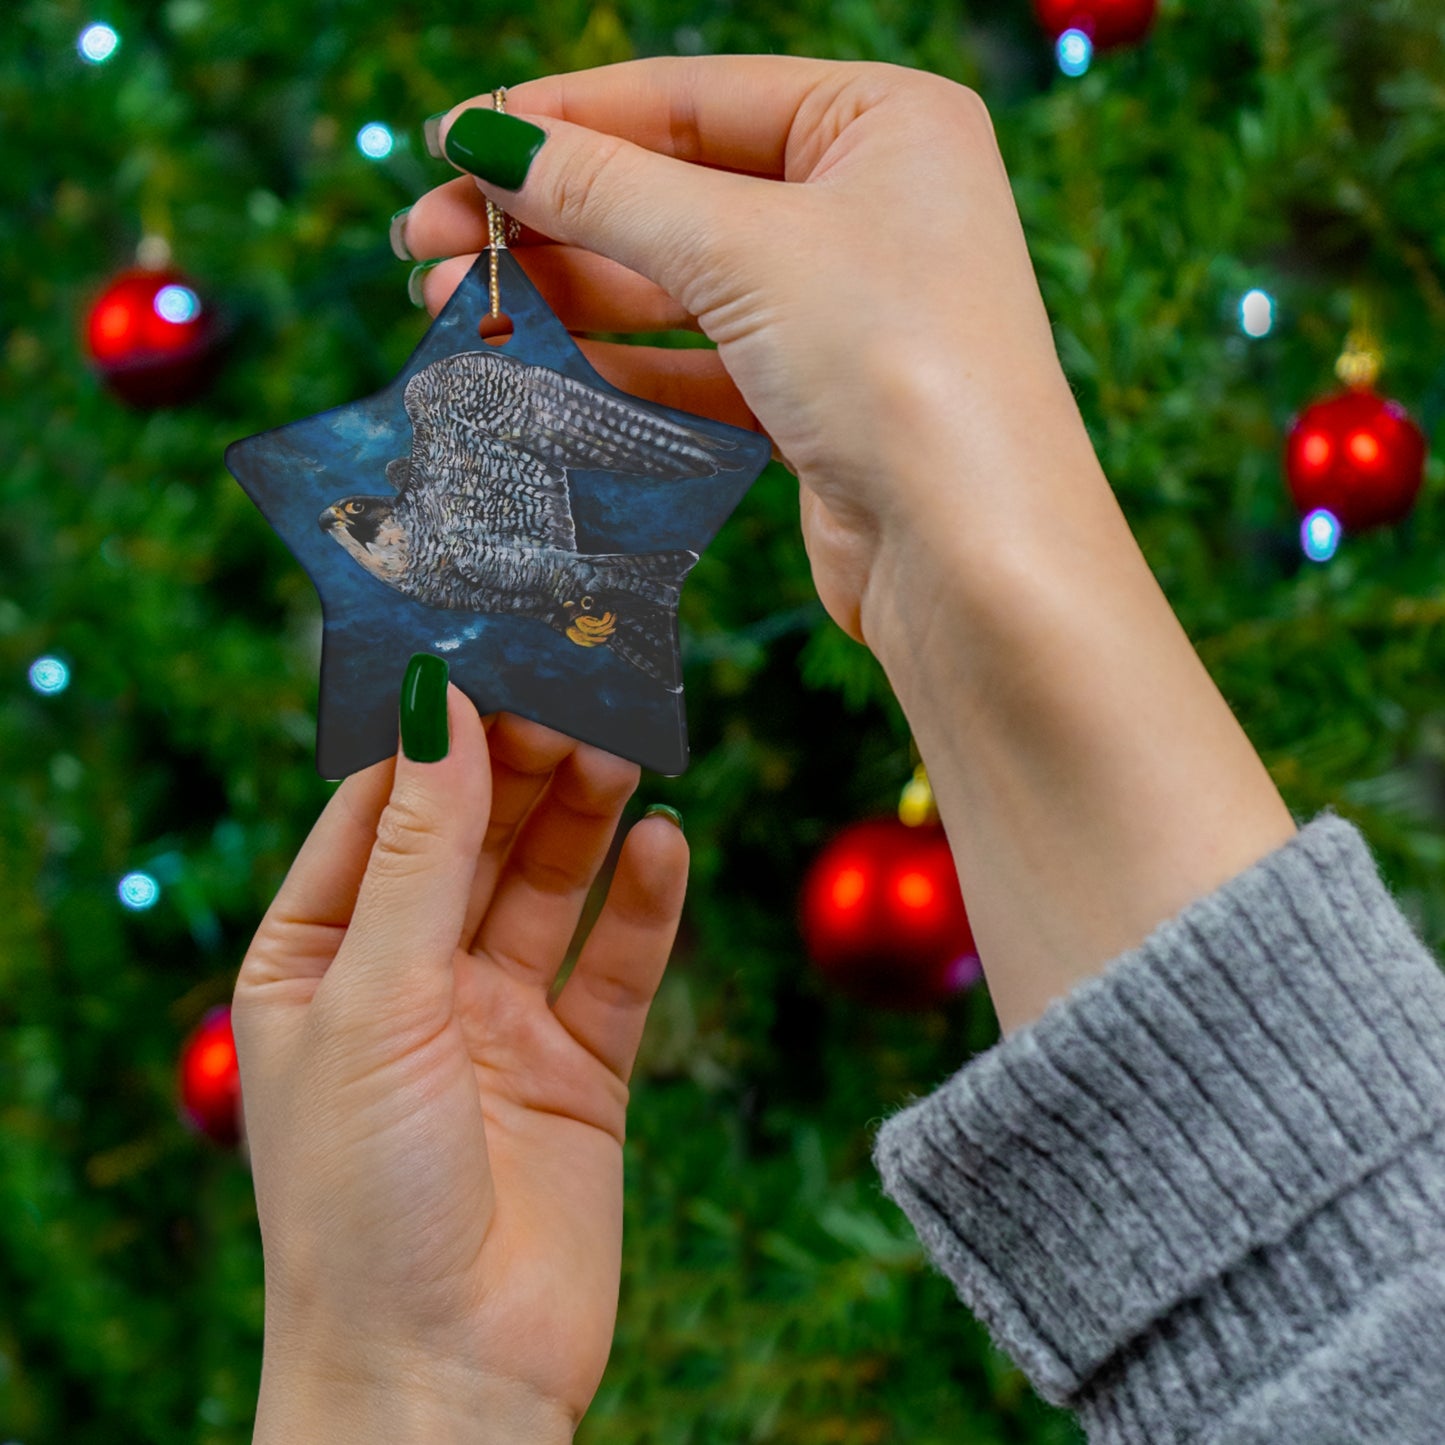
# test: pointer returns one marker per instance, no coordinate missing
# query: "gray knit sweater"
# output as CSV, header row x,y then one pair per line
x,y
1202,1199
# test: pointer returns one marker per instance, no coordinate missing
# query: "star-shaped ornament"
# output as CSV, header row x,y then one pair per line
x,y
507,509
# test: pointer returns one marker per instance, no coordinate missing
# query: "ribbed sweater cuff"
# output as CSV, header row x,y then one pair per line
x,y
1168,1126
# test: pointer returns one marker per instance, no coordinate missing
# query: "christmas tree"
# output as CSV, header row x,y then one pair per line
x,y
159,646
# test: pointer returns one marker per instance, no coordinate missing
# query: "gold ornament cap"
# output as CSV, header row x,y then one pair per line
x,y
1360,362
916,806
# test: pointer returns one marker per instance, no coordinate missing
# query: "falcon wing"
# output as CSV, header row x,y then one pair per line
x,y
467,476
569,423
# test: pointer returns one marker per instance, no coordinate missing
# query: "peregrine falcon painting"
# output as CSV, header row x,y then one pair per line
x,y
510,510
481,517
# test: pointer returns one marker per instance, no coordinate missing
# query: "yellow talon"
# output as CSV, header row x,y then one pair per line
x,y
592,631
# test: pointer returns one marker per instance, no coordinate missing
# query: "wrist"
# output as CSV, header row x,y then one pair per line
x,y
983,519
418,1400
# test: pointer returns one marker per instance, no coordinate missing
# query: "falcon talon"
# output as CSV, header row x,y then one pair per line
x,y
592,631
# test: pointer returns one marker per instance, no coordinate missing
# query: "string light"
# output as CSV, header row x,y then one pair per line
x,y
138,891
1256,313
1320,535
375,141
1075,52
49,675
177,304
97,44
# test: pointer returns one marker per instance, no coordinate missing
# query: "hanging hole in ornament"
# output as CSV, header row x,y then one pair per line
x,y
495,330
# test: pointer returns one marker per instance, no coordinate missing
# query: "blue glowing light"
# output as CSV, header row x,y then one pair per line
x,y
49,675
1075,52
375,140
1320,535
97,43
177,304
138,891
1256,313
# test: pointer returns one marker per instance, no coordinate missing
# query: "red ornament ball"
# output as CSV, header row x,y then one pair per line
x,y
883,916
210,1080
1107,23
1357,455
152,338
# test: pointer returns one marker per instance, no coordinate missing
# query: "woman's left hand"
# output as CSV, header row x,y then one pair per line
x,y
437,1146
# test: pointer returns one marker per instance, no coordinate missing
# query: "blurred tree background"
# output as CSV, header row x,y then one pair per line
x,y
770,1291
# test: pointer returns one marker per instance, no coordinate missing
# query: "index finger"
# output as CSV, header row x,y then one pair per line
x,y
310,912
735,112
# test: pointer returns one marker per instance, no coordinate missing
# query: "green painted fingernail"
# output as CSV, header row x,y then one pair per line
x,y
431,133
414,287
671,814
424,735
397,234
498,148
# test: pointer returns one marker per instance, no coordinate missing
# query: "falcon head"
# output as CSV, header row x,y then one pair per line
x,y
369,529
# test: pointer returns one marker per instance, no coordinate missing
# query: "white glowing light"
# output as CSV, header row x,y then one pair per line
x,y
1256,313
375,140
1320,535
1075,52
49,675
138,891
97,43
177,304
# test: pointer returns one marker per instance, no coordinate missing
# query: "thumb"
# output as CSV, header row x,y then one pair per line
x,y
673,222
396,959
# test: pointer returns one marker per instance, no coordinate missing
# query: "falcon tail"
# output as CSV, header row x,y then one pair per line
x,y
634,610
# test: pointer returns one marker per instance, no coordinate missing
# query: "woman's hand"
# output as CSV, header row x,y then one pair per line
x,y
848,237
878,318
437,1148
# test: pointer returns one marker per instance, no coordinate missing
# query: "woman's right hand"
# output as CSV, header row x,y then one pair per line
x,y
848,237
877,315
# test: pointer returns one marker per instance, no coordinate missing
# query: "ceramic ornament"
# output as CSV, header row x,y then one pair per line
x,y
510,511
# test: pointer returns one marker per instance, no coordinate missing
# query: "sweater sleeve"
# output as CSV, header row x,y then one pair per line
x,y
1202,1198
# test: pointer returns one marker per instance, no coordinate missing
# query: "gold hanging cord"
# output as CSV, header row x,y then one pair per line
x,y
500,226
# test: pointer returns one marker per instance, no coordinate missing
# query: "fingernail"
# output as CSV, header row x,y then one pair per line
x,y
424,735
414,283
431,133
498,148
398,235
671,814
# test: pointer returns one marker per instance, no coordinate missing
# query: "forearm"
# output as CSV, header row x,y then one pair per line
x,y
1092,779
301,1401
